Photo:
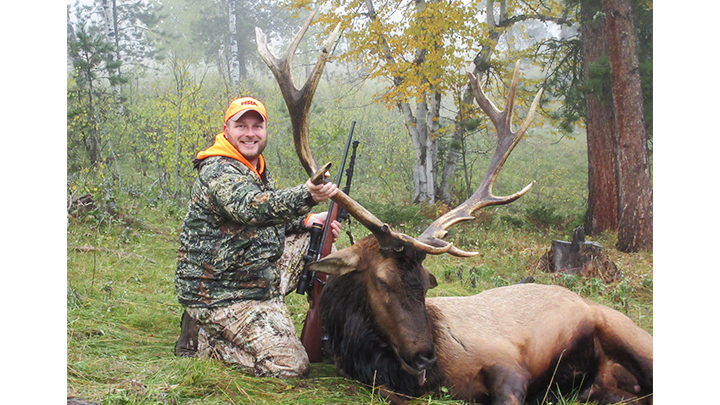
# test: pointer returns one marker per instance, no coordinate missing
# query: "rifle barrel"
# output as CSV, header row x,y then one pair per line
x,y
328,220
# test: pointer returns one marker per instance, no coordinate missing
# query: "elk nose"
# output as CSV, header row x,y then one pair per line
x,y
425,360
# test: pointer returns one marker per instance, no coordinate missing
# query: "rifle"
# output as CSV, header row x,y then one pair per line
x,y
313,282
342,214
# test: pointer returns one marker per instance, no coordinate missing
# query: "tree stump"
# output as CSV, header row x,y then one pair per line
x,y
579,257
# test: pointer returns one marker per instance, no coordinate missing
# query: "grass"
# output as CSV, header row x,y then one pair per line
x,y
123,316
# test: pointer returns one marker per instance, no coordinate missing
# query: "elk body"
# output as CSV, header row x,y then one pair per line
x,y
507,345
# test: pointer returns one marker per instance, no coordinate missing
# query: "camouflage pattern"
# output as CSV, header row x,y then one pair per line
x,y
234,233
257,337
291,263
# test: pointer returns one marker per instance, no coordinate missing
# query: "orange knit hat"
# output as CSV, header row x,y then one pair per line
x,y
242,105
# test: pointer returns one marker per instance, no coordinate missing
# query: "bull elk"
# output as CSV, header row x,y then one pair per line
x,y
508,345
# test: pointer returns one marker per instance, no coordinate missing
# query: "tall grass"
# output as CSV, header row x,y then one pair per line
x,y
123,316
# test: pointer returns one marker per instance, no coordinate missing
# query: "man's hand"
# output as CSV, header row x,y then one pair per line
x,y
321,218
321,192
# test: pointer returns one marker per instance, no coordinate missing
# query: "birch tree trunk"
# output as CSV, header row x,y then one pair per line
x,y
431,115
635,230
108,11
422,128
422,125
419,144
234,50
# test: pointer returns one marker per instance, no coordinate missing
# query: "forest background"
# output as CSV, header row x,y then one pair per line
x,y
40,96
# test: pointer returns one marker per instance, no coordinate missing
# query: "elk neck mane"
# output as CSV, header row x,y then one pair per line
x,y
357,344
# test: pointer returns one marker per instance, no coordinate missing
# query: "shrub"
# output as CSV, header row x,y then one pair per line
x,y
512,221
543,216
396,214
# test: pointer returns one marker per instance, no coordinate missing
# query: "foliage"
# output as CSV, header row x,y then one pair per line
x,y
420,51
543,215
419,47
564,79
563,66
167,127
89,97
131,27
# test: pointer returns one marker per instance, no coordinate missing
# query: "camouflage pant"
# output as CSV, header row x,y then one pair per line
x,y
258,336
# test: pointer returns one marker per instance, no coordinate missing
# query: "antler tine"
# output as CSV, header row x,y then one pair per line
x,y
483,196
510,102
297,101
290,53
531,113
382,231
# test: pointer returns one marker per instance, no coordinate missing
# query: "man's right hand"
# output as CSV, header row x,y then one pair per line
x,y
321,192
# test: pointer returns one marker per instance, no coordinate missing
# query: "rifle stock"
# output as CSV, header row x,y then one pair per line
x,y
311,336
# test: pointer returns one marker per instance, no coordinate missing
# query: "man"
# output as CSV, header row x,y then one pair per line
x,y
228,277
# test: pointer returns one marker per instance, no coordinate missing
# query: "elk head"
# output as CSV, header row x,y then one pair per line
x,y
389,286
388,264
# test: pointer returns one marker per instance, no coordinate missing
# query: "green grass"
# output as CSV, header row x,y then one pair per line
x,y
123,316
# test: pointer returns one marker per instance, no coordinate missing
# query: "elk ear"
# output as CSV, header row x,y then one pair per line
x,y
338,263
431,280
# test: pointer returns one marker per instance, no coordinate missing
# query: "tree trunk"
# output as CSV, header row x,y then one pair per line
x,y
481,63
242,32
432,120
109,13
635,223
418,136
603,211
116,31
90,138
234,61
455,149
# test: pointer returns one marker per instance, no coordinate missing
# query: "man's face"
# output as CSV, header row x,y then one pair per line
x,y
248,135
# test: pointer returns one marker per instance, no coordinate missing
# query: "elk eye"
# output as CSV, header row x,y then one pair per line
x,y
383,284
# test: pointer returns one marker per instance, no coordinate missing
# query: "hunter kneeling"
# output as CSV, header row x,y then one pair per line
x,y
241,249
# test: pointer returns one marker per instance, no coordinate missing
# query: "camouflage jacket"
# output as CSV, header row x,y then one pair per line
x,y
234,232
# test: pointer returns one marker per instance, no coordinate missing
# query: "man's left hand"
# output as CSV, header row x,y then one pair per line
x,y
321,218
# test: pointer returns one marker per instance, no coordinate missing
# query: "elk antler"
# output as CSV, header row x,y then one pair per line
x,y
483,196
298,101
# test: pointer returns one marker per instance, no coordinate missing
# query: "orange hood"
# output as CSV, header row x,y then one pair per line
x,y
222,147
